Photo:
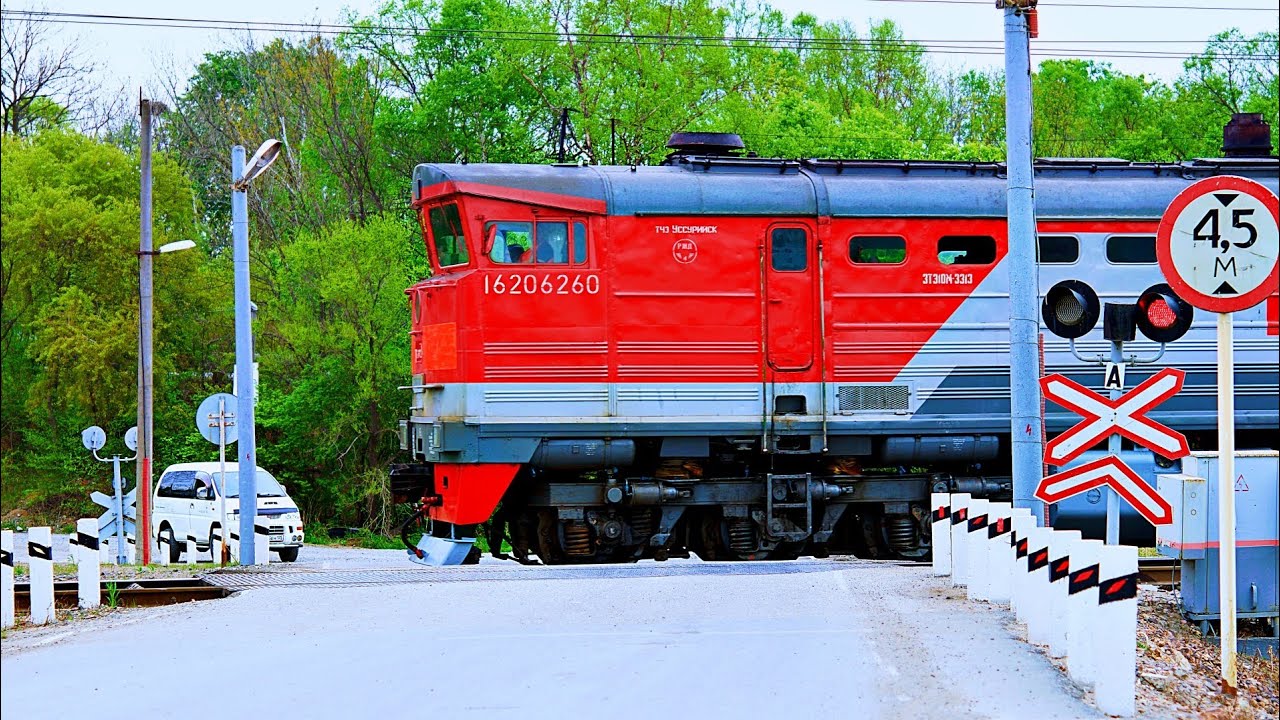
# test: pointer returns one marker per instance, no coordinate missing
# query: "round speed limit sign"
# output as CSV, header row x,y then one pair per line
x,y
1218,243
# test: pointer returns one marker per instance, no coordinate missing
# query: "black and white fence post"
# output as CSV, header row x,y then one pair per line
x,y
6,579
999,525
1116,630
1023,524
88,559
1059,568
234,541
959,537
163,551
215,544
40,550
940,504
261,545
191,549
975,554
1033,600
1082,603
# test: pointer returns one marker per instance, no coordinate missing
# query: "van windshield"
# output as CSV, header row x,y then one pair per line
x,y
267,486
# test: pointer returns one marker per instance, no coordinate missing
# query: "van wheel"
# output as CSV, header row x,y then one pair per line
x,y
175,553
288,554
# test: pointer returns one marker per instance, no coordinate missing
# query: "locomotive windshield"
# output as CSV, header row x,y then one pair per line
x,y
446,235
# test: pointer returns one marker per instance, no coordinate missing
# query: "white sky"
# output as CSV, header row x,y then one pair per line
x,y
132,57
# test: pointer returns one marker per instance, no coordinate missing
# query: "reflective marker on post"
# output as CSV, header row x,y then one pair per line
x,y
1035,597
976,552
1059,568
959,535
940,504
88,570
40,550
1023,523
1082,602
6,579
998,528
1115,630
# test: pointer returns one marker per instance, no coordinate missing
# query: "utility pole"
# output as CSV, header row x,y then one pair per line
x,y
1024,326
145,254
248,461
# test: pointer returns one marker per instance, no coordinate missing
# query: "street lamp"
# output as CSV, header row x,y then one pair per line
x,y
241,177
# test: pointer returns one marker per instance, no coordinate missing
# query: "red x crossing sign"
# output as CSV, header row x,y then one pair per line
x,y
1125,415
1112,472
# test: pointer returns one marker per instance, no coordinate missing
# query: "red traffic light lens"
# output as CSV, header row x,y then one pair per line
x,y
1160,314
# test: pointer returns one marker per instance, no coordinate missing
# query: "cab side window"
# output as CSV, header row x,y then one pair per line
x,y
447,236
541,243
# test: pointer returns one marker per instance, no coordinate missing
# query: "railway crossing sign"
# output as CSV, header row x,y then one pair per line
x,y
1125,415
1218,243
1110,471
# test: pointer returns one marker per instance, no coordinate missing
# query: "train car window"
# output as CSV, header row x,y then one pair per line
x,y
967,250
512,242
1131,249
552,241
789,251
873,250
1057,249
446,233
579,243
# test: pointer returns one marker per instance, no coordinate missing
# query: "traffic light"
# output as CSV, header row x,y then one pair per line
x,y
1070,309
1163,316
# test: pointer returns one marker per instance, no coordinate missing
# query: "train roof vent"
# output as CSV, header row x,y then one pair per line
x,y
1247,135
705,143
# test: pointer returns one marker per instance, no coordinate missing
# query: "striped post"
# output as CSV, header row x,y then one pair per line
x,y
1116,630
975,554
191,549
40,550
215,544
998,528
959,533
1023,523
1059,568
941,543
1033,600
261,545
1082,603
163,552
88,567
6,579
234,542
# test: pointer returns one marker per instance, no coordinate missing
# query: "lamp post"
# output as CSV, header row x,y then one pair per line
x,y
248,460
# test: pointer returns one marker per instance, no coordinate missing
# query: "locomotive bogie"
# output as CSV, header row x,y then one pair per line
x,y
748,358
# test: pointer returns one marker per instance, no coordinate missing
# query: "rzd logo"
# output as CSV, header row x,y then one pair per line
x,y
685,251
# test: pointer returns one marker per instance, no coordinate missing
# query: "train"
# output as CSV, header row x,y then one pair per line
x,y
749,358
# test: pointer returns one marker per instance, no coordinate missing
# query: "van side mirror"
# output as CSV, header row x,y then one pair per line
x,y
202,493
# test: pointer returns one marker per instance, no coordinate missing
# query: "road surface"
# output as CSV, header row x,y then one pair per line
x,y
652,640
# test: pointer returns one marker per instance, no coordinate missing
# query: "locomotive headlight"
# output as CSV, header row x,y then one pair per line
x,y
1070,309
1163,316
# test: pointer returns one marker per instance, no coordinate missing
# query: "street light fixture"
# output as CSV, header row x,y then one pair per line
x,y
241,177
176,245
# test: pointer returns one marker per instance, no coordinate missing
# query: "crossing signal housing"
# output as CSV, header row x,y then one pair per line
x,y
1070,309
1163,316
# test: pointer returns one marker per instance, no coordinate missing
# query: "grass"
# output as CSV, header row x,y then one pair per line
x,y
358,538
1149,552
113,594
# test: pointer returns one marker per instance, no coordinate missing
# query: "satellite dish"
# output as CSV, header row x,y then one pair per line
x,y
93,438
131,438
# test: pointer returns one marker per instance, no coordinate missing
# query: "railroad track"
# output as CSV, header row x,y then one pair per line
x,y
128,593
1158,571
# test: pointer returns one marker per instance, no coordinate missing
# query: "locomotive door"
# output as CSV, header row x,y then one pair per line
x,y
790,270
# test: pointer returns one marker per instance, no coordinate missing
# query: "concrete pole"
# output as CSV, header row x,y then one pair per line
x,y
1024,280
248,467
145,256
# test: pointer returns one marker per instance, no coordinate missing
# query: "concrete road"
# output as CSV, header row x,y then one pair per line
x,y
819,639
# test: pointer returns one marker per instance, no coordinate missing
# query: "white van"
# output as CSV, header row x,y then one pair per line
x,y
187,502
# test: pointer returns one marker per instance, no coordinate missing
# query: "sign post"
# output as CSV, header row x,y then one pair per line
x,y
217,425
1217,246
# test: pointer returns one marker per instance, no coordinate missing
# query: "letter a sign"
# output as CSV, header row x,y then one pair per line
x,y
1125,415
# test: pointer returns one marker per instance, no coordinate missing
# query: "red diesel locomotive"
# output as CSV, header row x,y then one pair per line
x,y
749,358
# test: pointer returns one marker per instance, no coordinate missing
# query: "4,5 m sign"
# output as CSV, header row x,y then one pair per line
x,y
1218,243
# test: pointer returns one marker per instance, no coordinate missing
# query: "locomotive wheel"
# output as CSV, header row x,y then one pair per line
x,y
714,534
548,538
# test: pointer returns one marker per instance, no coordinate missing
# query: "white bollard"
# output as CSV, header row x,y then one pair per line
x,y
6,579
88,568
941,504
1023,523
1116,630
261,545
959,533
191,549
162,548
999,526
130,550
975,554
234,542
1033,601
1082,602
1059,568
40,550
215,545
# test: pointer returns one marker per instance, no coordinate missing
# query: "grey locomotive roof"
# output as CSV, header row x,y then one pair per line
x,y
690,185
